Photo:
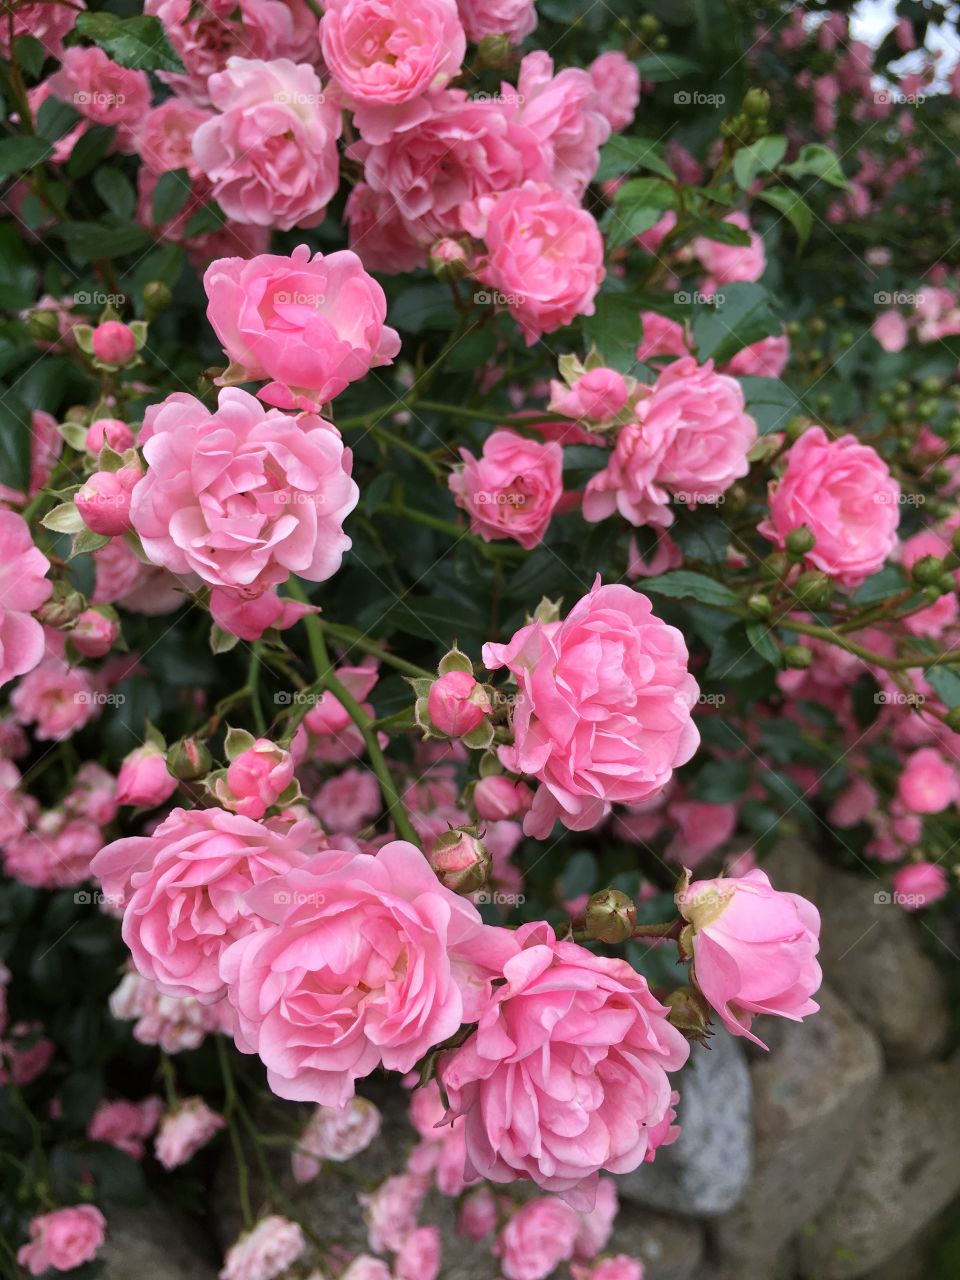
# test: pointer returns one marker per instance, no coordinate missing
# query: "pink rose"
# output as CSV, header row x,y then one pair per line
x,y
598,396
348,802
391,1210
56,851
114,343
184,1130
144,779
256,779
24,587
271,153
842,491
890,330
46,444
57,699
596,1224
94,633
604,710
173,1023
395,953
165,139
99,88
928,783
478,1214
538,1237
125,1125
702,829
727,263
617,82
764,359
753,949
63,1239
856,802
103,501
918,884
565,115
565,1074
651,240
334,1133
512,490
243,496
45,22
312,325
182,891
366,1267
267,1251
379,234
514,19
497,797
419,1256
457,704
544,255
661,337
940,615
384,55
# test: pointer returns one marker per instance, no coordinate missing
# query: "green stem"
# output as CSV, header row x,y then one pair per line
x,y
230,1107
875,659
355,640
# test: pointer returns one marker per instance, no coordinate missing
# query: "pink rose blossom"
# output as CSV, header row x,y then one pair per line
x,y
54,852
418,1258
24,587
45,22
243,496
651,240
334,1133
598,396
46,444
457,703
478,1214
890,330
114,343
386,56
256,779
702,829
764,359
940,615
617,82
57,699
379,234
312,325
514,19
565,115
661,337
918,884
538,1237
391,1210
348,802
333,734
182,891
544,255
928,783
512,490
267,1251
26,1053
497,797
94,633
754,949
855,803
604,712
395,953
172,1022
727,263
63,1239
104,500
184,1130
271,152
165,139
596,1224
577,1041
842,491
367,1267
125,1125
144,779
99,88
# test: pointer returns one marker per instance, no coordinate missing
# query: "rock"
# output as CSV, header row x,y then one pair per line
x,y
670,1248
707,1169
153,1243
873,953
907,1169
811,1095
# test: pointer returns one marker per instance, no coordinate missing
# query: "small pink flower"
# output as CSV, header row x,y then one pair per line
x,y
57,699
334,1133
311,324
842,491
348,802
597,396
854,803
104,500
596,1224
890,330
391,1210
271,152
727,263
94,633
114,343
165,139
478,1214
99,88
764,359
366,1267
565,113
528,1057
538,1237
184,1130
754,949
918,884
544,255
267,1251
929,782
617,82
380,236
256,779
514,19
48,23
144,779
604,710
418,1258
661,337
497,797
512,490
125,1125
63,1239
457,703
112,432
24,587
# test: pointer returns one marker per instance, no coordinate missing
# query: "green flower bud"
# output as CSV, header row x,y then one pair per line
x,y
799,542
798,656
611,916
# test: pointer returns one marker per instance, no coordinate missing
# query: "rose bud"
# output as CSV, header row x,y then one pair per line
x,y
188,759
144,779
65,604
109,431
689,1013
499,797
114,343
457,703
611,916
460,861
256,779
104,501
94,633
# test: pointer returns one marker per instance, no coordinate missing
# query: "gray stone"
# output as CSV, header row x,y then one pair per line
x,y
706,1171
670,1248
811,1095
873,953
153,1243
907,1169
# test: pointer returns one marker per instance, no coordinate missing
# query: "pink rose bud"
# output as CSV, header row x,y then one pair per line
x,y
448,259
754,949
114,343
184,1130
461,861
499,797
478,1214
457,703
928,783
109,431
918,884
257,778
63,1239
93,633
188,759
599,395
144,779
272,1246
104,501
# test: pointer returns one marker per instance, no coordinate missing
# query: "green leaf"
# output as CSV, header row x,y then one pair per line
x,y
637,206
210,218
681,584
614,329
621,154
722,232
743,317
139,42
794,208
18,275
172,192
55,118
22,152
757,160
92,240
770,402
660,67
15,433
890,581
945,681
30,54
817,161
734,657
762,640
116,192
90,149
721,781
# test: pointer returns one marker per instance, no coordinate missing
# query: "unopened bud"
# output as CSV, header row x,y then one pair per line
x,y
611,916
64,606
799,542
798,656
460,860
760,605
44,325
775,566
756,103
927,571
494,51
188,759
689,1013
156,297
813,589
